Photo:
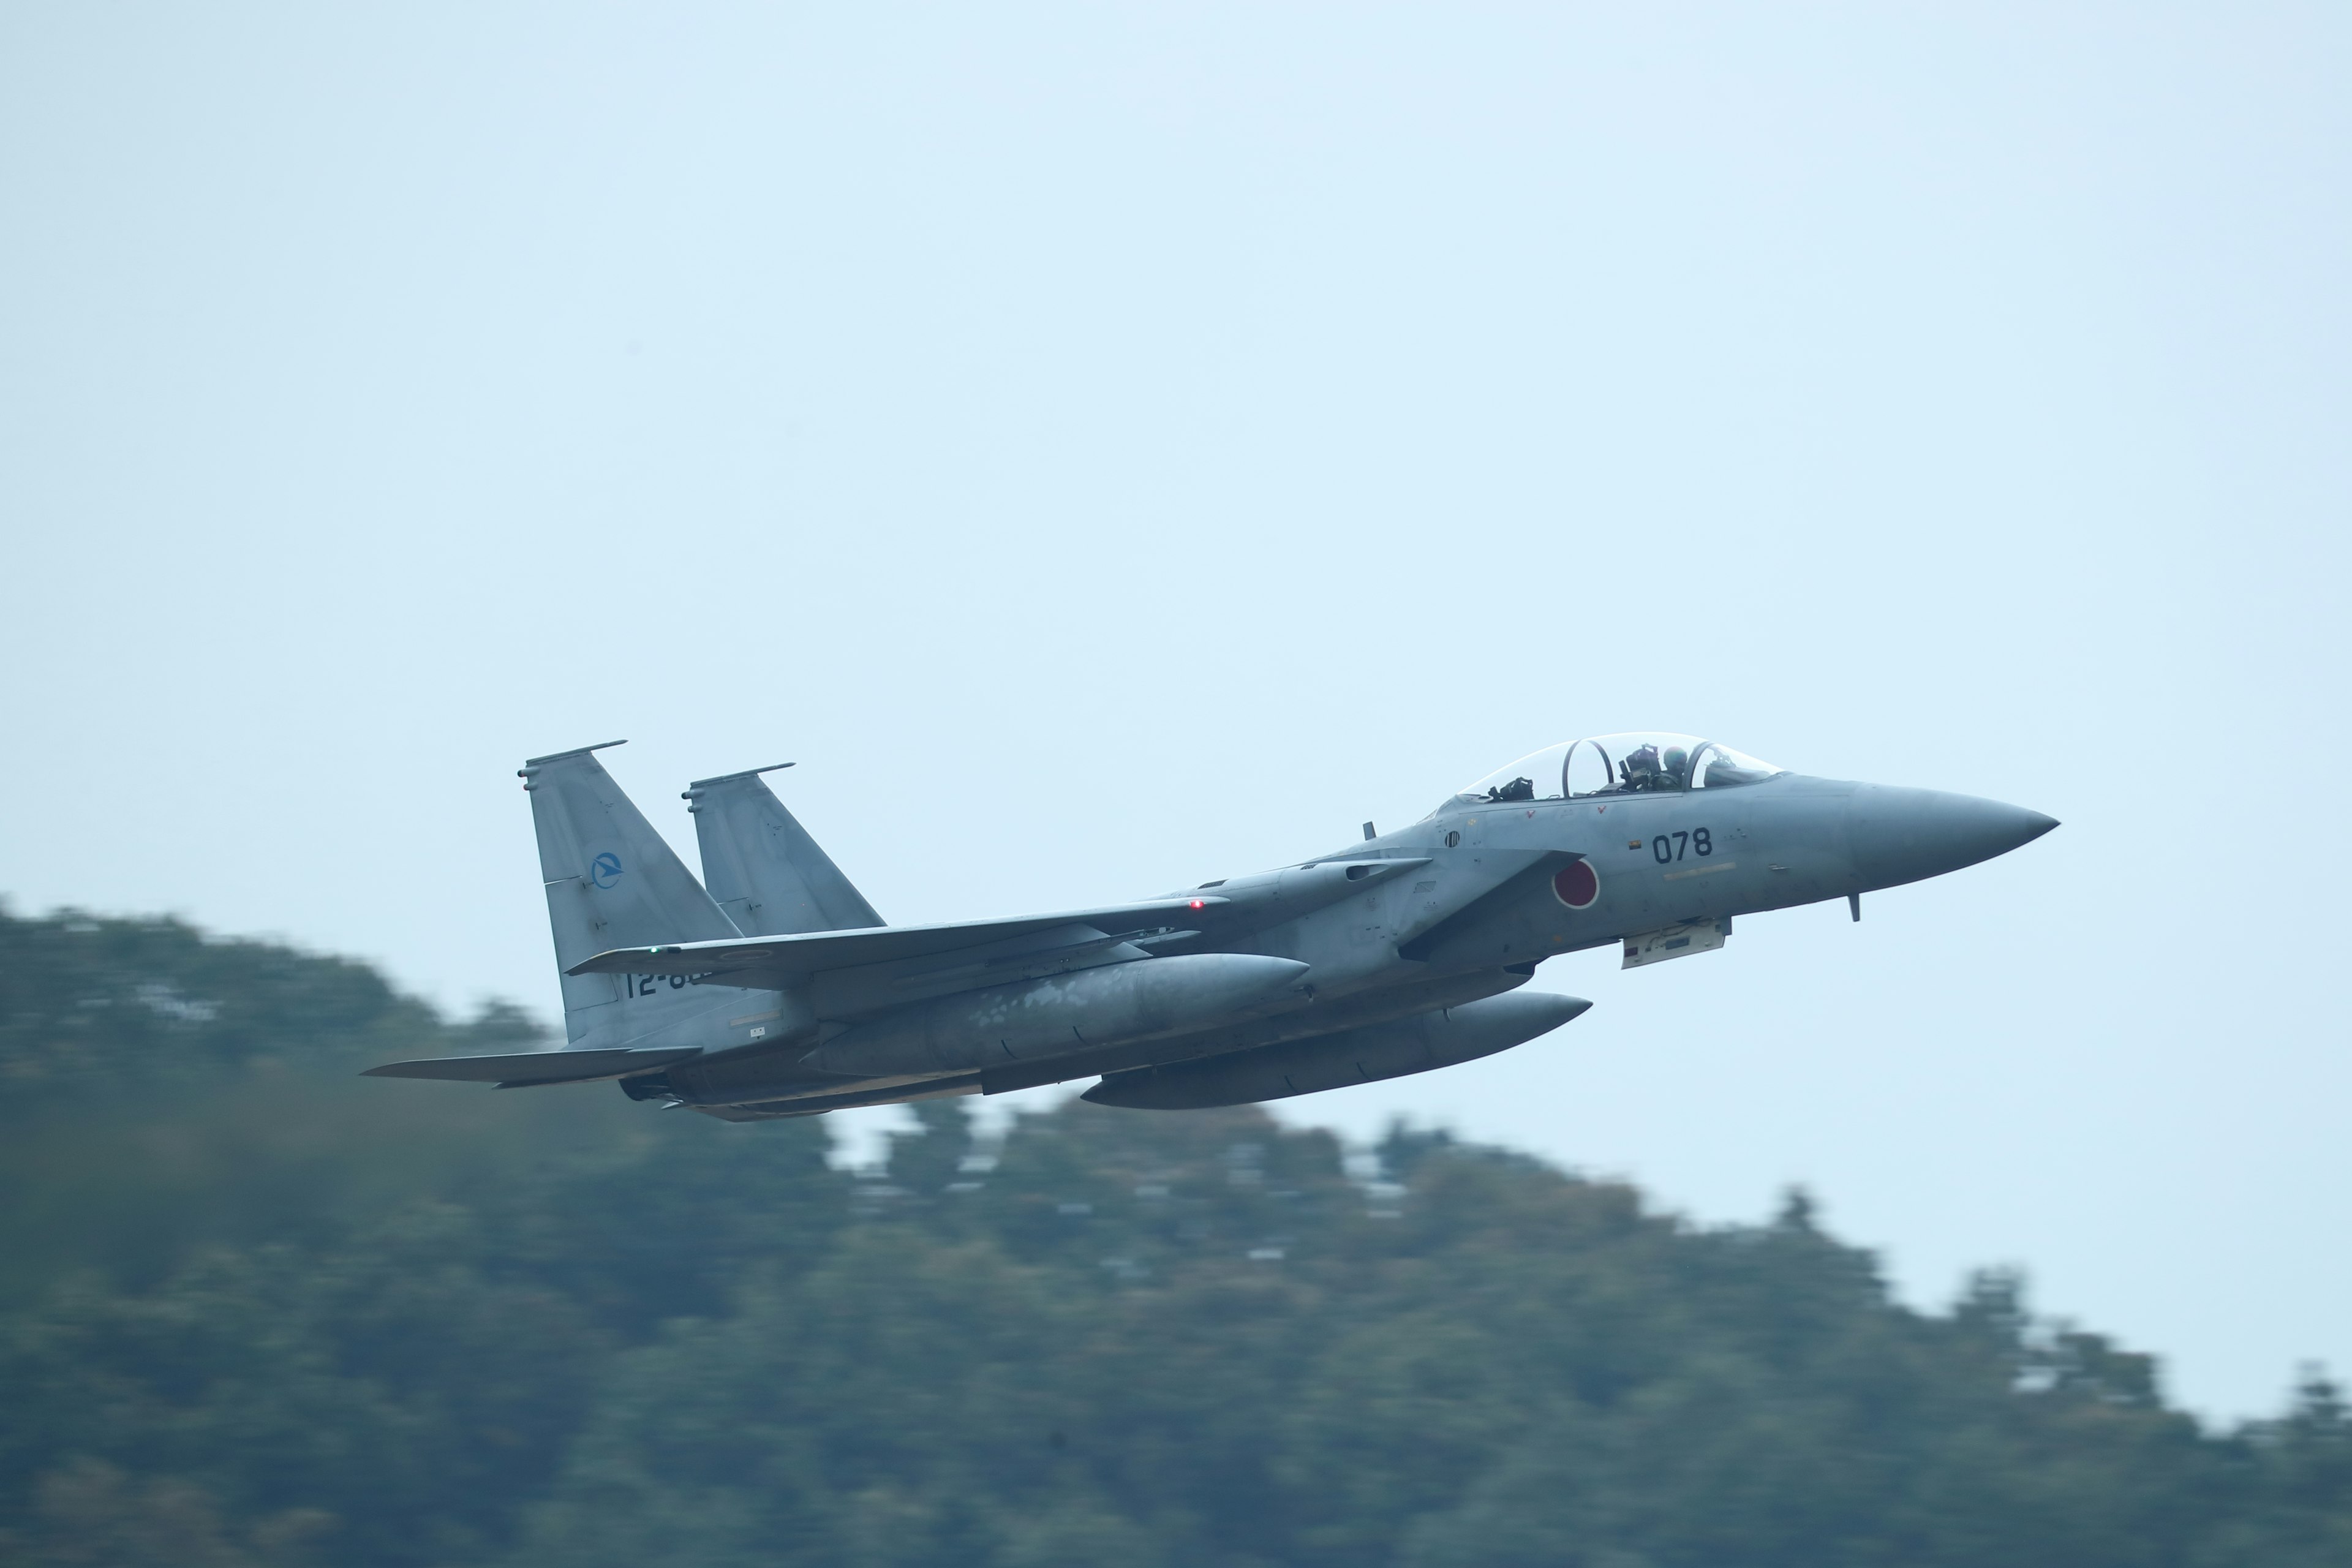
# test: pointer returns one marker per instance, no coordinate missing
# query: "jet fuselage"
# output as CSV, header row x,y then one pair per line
x,y
1392,955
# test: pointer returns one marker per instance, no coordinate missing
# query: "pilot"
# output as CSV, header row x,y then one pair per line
x,y
1639,769
1677,768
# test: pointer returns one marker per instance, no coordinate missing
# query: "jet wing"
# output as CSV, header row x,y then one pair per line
x,y
776,963
535,1067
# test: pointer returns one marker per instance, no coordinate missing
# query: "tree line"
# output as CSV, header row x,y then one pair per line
x,y
260,1312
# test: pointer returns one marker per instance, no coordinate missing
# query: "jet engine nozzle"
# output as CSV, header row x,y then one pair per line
x,y
1898,835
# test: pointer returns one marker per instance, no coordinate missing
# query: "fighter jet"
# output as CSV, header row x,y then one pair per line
x,y
771,988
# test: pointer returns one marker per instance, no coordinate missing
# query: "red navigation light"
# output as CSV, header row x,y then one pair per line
x,y
1199,904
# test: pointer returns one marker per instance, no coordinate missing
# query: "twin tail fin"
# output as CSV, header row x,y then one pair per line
x,y
761,865
612,882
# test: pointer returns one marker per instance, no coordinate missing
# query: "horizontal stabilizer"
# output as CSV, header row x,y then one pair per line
x,y
536,1066
778,963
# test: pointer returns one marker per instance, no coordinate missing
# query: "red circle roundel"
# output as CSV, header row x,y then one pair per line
x,y
1577,885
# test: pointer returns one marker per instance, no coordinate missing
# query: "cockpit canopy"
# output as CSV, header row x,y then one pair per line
x,y
1637,761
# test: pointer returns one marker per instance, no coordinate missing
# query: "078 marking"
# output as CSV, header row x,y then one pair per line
x,y
1668,847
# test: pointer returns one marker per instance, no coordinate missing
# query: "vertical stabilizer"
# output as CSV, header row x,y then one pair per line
x,y
612,882
761,865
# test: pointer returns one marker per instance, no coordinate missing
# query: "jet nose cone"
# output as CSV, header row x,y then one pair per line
x,y
1901,834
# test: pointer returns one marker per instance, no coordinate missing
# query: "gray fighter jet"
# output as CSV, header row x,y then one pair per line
x,y
772,988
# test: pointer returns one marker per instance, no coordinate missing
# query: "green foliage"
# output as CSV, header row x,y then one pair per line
x,y
93,1005
260,1314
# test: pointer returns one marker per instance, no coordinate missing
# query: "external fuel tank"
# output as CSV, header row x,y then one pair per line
x,y
1063,1013
1367,1054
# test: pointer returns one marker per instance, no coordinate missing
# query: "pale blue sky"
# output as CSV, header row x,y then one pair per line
x,y
1110,448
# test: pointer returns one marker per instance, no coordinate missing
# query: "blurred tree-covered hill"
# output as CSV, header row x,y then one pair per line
x,y
258,1311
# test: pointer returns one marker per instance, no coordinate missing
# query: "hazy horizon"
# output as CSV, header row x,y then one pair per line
x,y
1109,450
